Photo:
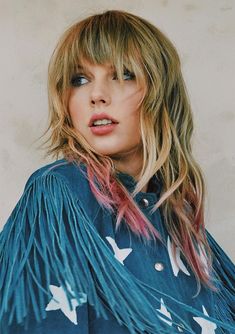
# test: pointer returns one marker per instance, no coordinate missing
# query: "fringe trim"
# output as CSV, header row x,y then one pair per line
x,y
49,234
224,273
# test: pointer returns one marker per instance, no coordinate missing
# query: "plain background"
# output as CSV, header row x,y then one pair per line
x,y
203,32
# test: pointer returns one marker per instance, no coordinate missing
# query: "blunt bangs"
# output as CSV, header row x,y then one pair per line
x,y
104,39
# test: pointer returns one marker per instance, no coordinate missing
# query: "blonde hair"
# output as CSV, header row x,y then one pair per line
x,y
128,41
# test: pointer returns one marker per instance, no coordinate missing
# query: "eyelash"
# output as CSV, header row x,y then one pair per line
x,y
76,79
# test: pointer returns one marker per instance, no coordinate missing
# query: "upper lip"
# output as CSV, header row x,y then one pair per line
x,y
100,116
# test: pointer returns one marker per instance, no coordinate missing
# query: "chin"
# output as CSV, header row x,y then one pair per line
x,y
107,151
115,151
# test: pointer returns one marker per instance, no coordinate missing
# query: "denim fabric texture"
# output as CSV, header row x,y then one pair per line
x,y
66,270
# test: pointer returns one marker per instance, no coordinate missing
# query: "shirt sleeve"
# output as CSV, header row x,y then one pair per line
x,y
224,273
38,293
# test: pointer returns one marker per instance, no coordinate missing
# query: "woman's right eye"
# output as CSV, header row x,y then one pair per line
x,y
78,80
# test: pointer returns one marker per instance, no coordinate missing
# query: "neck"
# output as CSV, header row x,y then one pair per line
x,y
130,163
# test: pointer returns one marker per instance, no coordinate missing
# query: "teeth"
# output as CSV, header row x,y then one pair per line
x,y
102,122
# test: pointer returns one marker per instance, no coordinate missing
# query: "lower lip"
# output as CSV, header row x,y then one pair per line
x,y
101,130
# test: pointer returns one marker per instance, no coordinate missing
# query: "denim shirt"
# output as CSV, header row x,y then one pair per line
x,y
179,308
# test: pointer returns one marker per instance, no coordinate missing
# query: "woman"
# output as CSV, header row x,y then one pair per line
x,y
111,237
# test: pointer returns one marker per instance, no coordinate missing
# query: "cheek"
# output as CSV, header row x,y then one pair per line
x,y
133,101
75,110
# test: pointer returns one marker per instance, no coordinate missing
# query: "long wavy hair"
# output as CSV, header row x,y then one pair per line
x,y
127,41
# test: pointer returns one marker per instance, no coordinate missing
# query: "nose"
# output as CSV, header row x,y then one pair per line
x,y
100,94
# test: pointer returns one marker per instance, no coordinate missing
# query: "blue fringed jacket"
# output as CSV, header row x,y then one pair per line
x,y
64,268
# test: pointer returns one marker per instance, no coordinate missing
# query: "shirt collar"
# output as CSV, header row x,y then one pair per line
x,y
129,182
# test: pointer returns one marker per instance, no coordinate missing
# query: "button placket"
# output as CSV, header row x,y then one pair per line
x,y
144,202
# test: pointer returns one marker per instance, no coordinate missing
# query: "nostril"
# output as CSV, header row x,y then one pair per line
x,y
96,101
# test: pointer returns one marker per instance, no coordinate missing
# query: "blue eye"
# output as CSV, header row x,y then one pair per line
x,y
78,80
127,75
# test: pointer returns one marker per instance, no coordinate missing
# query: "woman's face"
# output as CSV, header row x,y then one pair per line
x,y
105,112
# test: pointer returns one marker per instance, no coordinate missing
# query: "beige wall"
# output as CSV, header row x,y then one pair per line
x,y
204,34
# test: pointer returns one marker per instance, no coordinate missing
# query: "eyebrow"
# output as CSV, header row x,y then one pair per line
x,y
81,68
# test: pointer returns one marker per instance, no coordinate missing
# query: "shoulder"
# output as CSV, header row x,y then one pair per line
x,y
70,173
60,184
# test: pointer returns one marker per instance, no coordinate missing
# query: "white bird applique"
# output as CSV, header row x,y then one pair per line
x,y
120,254
163,310
60,301
208,327
176,263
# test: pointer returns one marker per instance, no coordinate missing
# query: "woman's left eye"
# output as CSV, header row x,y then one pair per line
x,y
78,80
127,75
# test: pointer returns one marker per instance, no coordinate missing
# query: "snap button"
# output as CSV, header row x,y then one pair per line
x,y
144,203
159,266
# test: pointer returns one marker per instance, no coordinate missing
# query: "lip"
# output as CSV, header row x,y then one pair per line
x,y
100,116
102,130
